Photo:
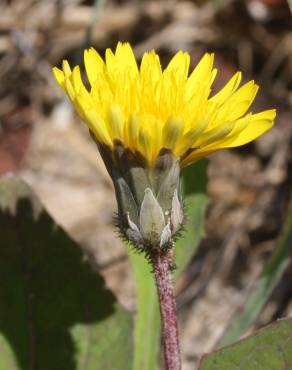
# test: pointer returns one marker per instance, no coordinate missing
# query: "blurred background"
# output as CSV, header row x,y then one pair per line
x,y
249,188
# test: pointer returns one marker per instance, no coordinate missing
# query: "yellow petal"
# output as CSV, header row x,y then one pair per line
x,y
258,125
133,130
213,76
97,127
215,134
69,89
110,61
145,144
179,64
126,58
155,129
202,72
241,100
66,68
83,102
59,76
149,138
269,114
188,139
227,90
172,132
76,80
195,156
94,65
203,68
150,69
237,127
115,122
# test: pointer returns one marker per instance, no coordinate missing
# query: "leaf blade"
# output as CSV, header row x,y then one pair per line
x,y
147,327
50,299
268,349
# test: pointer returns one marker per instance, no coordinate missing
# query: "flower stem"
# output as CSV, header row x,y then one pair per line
x,y
161,261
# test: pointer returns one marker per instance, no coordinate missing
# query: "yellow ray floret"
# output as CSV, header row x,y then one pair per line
x,y
147,108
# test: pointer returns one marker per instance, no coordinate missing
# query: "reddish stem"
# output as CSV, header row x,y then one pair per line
x,y
161,262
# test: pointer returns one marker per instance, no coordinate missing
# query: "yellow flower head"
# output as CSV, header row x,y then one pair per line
x,y
147,109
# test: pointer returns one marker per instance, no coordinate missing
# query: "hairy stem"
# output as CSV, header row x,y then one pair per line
x,y
161,262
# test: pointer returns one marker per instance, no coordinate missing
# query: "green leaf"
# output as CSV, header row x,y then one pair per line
x,y
194,184
268,349
55,312
264,286
147,326
194,178
186,247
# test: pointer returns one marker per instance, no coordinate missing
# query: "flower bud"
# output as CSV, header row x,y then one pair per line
x,y
150,212
152,221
